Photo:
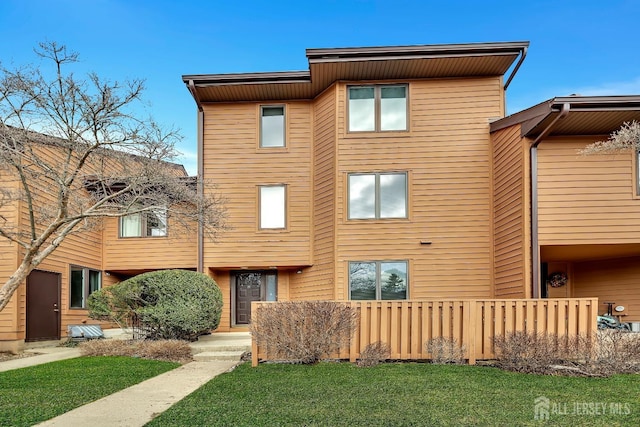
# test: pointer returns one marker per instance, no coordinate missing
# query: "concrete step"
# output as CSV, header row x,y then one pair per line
x,y
213,348
209,356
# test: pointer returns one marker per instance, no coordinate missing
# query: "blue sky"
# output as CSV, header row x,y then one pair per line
x,y
588,47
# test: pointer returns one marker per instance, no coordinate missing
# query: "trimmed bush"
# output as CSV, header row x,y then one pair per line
x,y
166,304
303,331
445,351
374,354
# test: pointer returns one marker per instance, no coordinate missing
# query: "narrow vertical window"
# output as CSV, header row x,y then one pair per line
x,y
272,206
272,126
393,108
362,110
82,283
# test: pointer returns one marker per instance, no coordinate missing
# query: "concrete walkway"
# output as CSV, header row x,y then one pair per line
x,y
139,404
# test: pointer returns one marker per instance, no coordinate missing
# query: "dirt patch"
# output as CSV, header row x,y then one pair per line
x,y
10,356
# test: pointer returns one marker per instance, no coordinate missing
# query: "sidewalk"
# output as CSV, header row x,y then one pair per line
x,y
139,404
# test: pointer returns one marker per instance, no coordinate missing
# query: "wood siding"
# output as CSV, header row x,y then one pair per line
x,y
408,325
585,199
615,280
176,250
317,282
235,167
510,210
10,328
447,156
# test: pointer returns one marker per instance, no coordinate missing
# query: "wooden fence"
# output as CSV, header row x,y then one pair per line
x,y
407,325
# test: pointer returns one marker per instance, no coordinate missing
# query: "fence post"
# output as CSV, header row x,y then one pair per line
x,y
254,343
471,325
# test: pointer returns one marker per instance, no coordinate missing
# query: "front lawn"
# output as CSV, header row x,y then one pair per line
x,y
38,393
340,394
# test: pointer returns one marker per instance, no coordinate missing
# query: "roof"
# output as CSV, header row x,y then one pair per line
x,y
586,115
360,63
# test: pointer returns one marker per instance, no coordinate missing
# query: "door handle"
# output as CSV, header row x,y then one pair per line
x,y
55,308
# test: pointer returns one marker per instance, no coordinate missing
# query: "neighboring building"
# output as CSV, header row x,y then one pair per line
x,y
55,295
579,213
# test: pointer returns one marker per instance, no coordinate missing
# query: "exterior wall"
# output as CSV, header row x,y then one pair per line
x,y
9,316
176,250
317,282
447,156
613,280
237,166
585,199
511,214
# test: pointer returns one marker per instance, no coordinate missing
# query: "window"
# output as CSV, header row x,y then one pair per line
x,y
373,280
377,108
151,223
377,195
272,200
272,129
84,282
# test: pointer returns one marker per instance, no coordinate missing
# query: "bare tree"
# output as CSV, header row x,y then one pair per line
x,y
625,138
73,152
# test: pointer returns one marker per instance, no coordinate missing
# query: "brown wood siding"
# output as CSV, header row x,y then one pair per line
x,y
10,328
614,280
509,207
585,199
317,282
447,156
177,250
235,166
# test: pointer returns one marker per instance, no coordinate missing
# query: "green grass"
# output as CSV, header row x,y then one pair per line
x,y
38,393
340,394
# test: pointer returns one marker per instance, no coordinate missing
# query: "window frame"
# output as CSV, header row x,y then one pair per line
x,y
285,212
378,264
284,127
86,284
377,194
377,110
143,227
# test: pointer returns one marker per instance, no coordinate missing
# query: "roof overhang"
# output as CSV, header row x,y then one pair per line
x,y
585,115
360,64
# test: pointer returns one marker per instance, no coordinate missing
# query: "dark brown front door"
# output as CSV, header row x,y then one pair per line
x,y
252,286
43,306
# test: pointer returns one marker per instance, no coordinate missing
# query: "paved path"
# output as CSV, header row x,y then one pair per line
x,y
45,355
139,404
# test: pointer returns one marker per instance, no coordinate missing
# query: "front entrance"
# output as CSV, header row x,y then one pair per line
x,y
252,286
43,306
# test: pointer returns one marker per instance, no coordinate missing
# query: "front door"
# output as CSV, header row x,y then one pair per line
x,y
43,306
252,286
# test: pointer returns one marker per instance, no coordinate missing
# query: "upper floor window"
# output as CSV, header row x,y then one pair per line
x,y
377,195
371,280
272,126
377,108
272,200
83,281
151,223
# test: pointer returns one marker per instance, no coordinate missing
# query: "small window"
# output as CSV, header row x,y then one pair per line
x,y
377,108
272,129
83,282
272,200
377,195
378,280
151,223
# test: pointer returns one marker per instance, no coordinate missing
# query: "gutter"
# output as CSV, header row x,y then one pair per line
x,y
200,183
533,168
523,54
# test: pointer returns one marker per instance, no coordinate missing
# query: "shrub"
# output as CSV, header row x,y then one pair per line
x,y
167,350
445,351
168,304
607,353
373,354
303,331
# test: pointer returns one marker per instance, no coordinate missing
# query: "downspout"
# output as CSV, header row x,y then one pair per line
x,y
515,70
533,167
200,183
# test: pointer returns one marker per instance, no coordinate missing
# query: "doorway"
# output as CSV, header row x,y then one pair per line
x,y
252,286
43,306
